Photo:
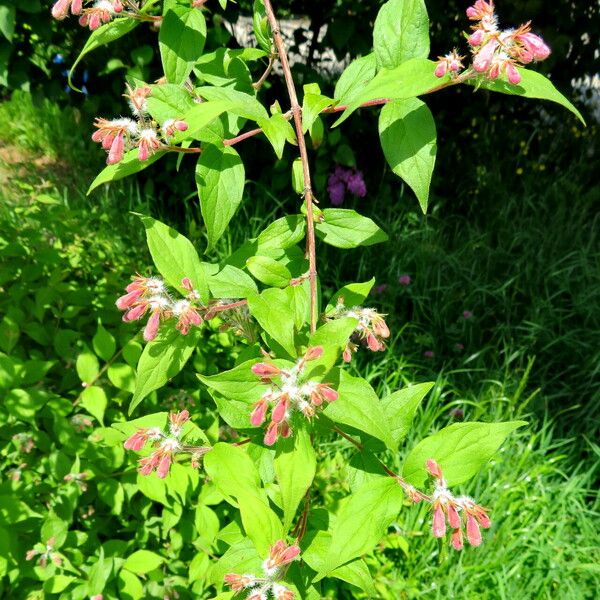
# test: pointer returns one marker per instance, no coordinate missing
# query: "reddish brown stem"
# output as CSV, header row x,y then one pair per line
x,y
241,137
265,75
308,196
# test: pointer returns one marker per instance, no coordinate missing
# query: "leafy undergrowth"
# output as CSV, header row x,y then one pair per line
x,y
532,290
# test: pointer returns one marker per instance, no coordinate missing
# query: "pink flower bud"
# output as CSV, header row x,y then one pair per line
x,y
453,516
137,441
117,148
152,326
404,279
163,466
535,45
473,531
257,418
373,343
280,409
313,353
434,469
438,527
457,539
347,355
271,434
187,284
117,6
483,59
61,9
128,300
135,313
476,38
441,69
513,74
76,7
380,328
265,370
328,393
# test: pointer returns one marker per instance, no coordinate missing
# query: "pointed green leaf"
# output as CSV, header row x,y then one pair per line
x,y
269,271
345,228
400,408
220,178
461,449
409,142
355,77
181,40
401,32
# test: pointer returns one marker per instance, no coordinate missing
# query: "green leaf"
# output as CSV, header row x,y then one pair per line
x,y
354,78
356,573
130,587
143,561
344,228
169,101
400,408
409,142
295,466
199,116
104,35
269,271
278,130
461,449
181,40
220,179
282,233
312,106
260,522
412,78
353,294
401,32
94,400
360,523
239,103
298,176
175,257
231,470
58,583
229,282
7,21
87,367
273,312
242,557
262,30
104,343
332,337
128,166
122,375
533,85
239,383
358,406
162,359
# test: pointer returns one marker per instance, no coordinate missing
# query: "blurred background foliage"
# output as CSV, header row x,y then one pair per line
x,y
511,238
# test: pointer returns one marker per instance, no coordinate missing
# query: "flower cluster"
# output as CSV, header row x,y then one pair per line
x,y
371,330
166,445
461,513
99,13
150,295
122,134
342,180
495,52
46,553
290,393
259,588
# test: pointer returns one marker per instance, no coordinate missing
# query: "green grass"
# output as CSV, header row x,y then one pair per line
x,y
527,265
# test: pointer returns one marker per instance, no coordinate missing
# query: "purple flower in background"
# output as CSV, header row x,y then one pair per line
x,y
458,346
429,354
404,279
356,184
342,180
336,190
380,289
467,314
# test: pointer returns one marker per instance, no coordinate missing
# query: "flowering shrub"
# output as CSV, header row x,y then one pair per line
x,y
291,373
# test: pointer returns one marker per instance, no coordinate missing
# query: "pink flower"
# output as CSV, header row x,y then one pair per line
x,y
429,354
473,531
313,353
438,526
534,46
467,314
483,59
271,434
187,316
60,9
265,370
257,418
480,10
451,62
138,440
148,143
280,554
151,329
137,98
380,289
512,73
239,582
476,38
171,126
457,539
114,136
404,279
